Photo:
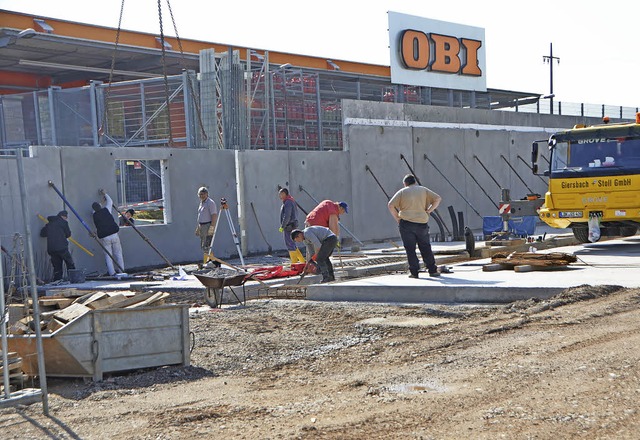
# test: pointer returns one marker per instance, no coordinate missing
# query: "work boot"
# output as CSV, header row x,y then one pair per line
x,y
299,257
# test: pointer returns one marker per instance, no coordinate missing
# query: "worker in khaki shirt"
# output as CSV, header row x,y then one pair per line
x,y
411,207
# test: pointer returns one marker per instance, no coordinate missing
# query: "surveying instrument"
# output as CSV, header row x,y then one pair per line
x,y
224,207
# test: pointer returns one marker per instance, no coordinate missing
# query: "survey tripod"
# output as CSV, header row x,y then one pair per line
x,y
224,207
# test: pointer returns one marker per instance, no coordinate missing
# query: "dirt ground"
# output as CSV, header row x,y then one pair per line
x,y
566,367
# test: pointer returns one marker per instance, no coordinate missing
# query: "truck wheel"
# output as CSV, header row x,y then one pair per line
x,y
581,234
628,231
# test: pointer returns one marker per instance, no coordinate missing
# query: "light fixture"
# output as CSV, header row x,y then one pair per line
x,y
285,66
6,40
257,55
43,26
333,65
167,45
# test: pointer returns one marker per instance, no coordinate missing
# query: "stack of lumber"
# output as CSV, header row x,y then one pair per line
x,y
14,367
58,311
529,261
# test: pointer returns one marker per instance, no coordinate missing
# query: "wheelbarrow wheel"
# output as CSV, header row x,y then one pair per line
x,y
213,296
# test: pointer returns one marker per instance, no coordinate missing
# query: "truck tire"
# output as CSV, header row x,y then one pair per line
x,y
628,231
581,234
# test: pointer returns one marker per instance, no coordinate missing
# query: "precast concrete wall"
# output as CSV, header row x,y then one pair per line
x,y
465,155
448,149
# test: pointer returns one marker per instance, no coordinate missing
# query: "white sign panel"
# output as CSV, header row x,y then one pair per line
x,y
435,53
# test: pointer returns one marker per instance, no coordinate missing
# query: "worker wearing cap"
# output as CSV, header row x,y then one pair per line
x,y
57,232
320,242
411,207
327,214
126,219
207,215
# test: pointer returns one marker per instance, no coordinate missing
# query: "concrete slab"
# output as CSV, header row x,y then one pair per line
x,y
613,262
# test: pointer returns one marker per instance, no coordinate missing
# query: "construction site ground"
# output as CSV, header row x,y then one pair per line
x,y
503,354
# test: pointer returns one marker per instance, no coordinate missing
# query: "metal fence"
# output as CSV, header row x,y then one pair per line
x,y
236,105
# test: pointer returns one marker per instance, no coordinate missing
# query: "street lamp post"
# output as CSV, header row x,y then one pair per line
x,y
549,59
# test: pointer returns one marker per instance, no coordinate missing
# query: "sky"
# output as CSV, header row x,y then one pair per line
x,y
596,42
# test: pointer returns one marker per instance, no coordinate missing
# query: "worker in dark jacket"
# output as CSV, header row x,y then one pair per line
x,y
289,222
107,231
57,232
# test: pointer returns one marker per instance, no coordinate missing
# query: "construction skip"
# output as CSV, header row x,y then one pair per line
x,y
105,341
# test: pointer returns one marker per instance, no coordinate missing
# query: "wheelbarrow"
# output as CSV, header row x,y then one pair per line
x,y
215,287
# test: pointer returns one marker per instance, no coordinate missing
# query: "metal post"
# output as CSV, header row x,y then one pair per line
x,y
188,112
3,322
94,113
52,115
549,59
32,283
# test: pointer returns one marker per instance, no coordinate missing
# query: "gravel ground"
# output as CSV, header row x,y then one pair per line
x,y
566,367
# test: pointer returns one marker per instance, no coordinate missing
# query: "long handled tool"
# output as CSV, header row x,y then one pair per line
x,y
71,239
144,237
341,225
91,233
436,214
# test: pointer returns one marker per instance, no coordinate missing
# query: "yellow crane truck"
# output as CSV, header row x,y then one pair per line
x,y
594,172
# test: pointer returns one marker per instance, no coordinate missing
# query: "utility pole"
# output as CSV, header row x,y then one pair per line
x,y
549,59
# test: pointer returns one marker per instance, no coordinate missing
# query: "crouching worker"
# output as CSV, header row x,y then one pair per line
x,y
320,242
57,232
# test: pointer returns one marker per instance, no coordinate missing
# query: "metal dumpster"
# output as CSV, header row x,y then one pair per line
x,y
105,341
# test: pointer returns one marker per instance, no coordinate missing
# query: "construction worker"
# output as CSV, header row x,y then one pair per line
x,y
107,231
320,242
411,207
327,214
126,219
57,232
207,215
289,222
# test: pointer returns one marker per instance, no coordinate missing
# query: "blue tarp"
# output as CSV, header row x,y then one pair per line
x,y
525,225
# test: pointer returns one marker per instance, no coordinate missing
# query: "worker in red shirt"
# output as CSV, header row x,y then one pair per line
x,y
327,214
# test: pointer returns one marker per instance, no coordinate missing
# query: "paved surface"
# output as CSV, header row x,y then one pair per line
x,y
613,262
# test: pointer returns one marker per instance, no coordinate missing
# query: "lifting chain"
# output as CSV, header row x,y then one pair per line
x,y
164,73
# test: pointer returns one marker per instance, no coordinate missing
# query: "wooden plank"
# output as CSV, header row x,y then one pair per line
x,y
90,297
131,300
55,324
109,300
57,302
72,312
155,299
494,267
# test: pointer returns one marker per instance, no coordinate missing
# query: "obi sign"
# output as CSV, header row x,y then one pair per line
x,y
434,53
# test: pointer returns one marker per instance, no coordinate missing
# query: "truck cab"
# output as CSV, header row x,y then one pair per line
x,y
594,173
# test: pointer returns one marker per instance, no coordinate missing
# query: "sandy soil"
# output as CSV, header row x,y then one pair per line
x,y
562,368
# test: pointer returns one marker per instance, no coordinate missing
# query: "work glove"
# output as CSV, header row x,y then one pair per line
x,y
281,229
211,230
339,245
